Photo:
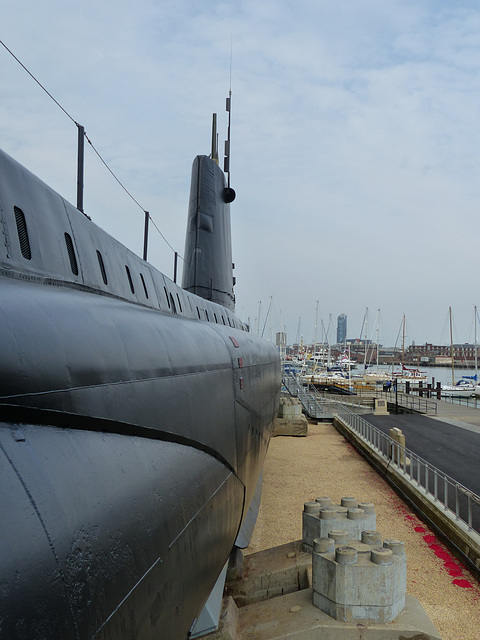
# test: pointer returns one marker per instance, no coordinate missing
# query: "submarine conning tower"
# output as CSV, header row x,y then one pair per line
x,y
208,269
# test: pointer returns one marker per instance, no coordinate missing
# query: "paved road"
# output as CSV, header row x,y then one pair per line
x,y
452,449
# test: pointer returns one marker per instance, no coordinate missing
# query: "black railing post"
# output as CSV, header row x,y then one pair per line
x,y
80,165
145,235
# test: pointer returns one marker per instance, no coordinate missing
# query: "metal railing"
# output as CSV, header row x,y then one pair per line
x,y
474,403
409,401
319,404
455,498
312,401
302,389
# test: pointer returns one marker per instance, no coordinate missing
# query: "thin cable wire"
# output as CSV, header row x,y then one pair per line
x,y
153,222
111,172
39,83
91,144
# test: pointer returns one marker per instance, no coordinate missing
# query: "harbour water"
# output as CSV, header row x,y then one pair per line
x,y
440,374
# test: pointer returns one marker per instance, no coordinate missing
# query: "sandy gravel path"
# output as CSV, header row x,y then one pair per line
x,y
325,464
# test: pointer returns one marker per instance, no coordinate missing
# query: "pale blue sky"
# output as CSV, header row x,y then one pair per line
x,y
355,142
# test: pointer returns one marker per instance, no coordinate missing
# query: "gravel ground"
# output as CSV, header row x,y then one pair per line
x,y
325,464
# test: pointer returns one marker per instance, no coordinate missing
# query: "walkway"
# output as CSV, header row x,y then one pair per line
x,y
459,415
325,464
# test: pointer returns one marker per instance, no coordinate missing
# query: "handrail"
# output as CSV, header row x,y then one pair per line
x,y
300,388
313,405
409,401
456,499
318,404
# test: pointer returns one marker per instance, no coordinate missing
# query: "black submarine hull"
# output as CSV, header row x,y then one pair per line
x,y
104,538
134,421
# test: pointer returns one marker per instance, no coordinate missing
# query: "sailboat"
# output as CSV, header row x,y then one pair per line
x,y
375,376
463,388
407,374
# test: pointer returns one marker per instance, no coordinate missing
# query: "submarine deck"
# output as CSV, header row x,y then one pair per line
x,y
324,463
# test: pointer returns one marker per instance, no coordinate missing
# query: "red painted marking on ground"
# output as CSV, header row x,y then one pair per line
x,y
430,539
464,584
453,568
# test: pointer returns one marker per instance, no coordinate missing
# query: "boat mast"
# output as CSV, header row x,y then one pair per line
x,y
451,346
329,338
475,331
298,331
270,337
365,341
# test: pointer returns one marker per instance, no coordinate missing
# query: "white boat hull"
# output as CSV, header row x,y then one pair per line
x,y
458,392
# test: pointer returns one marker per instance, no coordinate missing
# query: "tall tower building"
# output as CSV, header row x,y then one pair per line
x,y
341,328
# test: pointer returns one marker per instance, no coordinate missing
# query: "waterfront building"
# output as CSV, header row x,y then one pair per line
x,y
441,354
341,328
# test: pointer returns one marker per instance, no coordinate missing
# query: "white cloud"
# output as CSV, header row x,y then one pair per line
x,y
354,141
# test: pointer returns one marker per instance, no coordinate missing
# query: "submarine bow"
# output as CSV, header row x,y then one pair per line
x,y
135,416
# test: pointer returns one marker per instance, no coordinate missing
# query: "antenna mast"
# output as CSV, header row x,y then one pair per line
x,y
226,160
226,163
214,139
229,192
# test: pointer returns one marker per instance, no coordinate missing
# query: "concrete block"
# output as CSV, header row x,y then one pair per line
x,y
320,517
397,451
360,582
292,426
287,611
270,573
381,407
289,408
294,617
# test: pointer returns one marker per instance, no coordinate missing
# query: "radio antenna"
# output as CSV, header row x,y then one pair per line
x,y
214,139
226,160
229,192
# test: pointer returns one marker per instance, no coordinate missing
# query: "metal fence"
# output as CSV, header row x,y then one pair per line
x,y
313,403
411,402
456,499
363,396
318,404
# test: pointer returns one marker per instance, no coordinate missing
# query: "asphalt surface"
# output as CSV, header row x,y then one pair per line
x,y
453,449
